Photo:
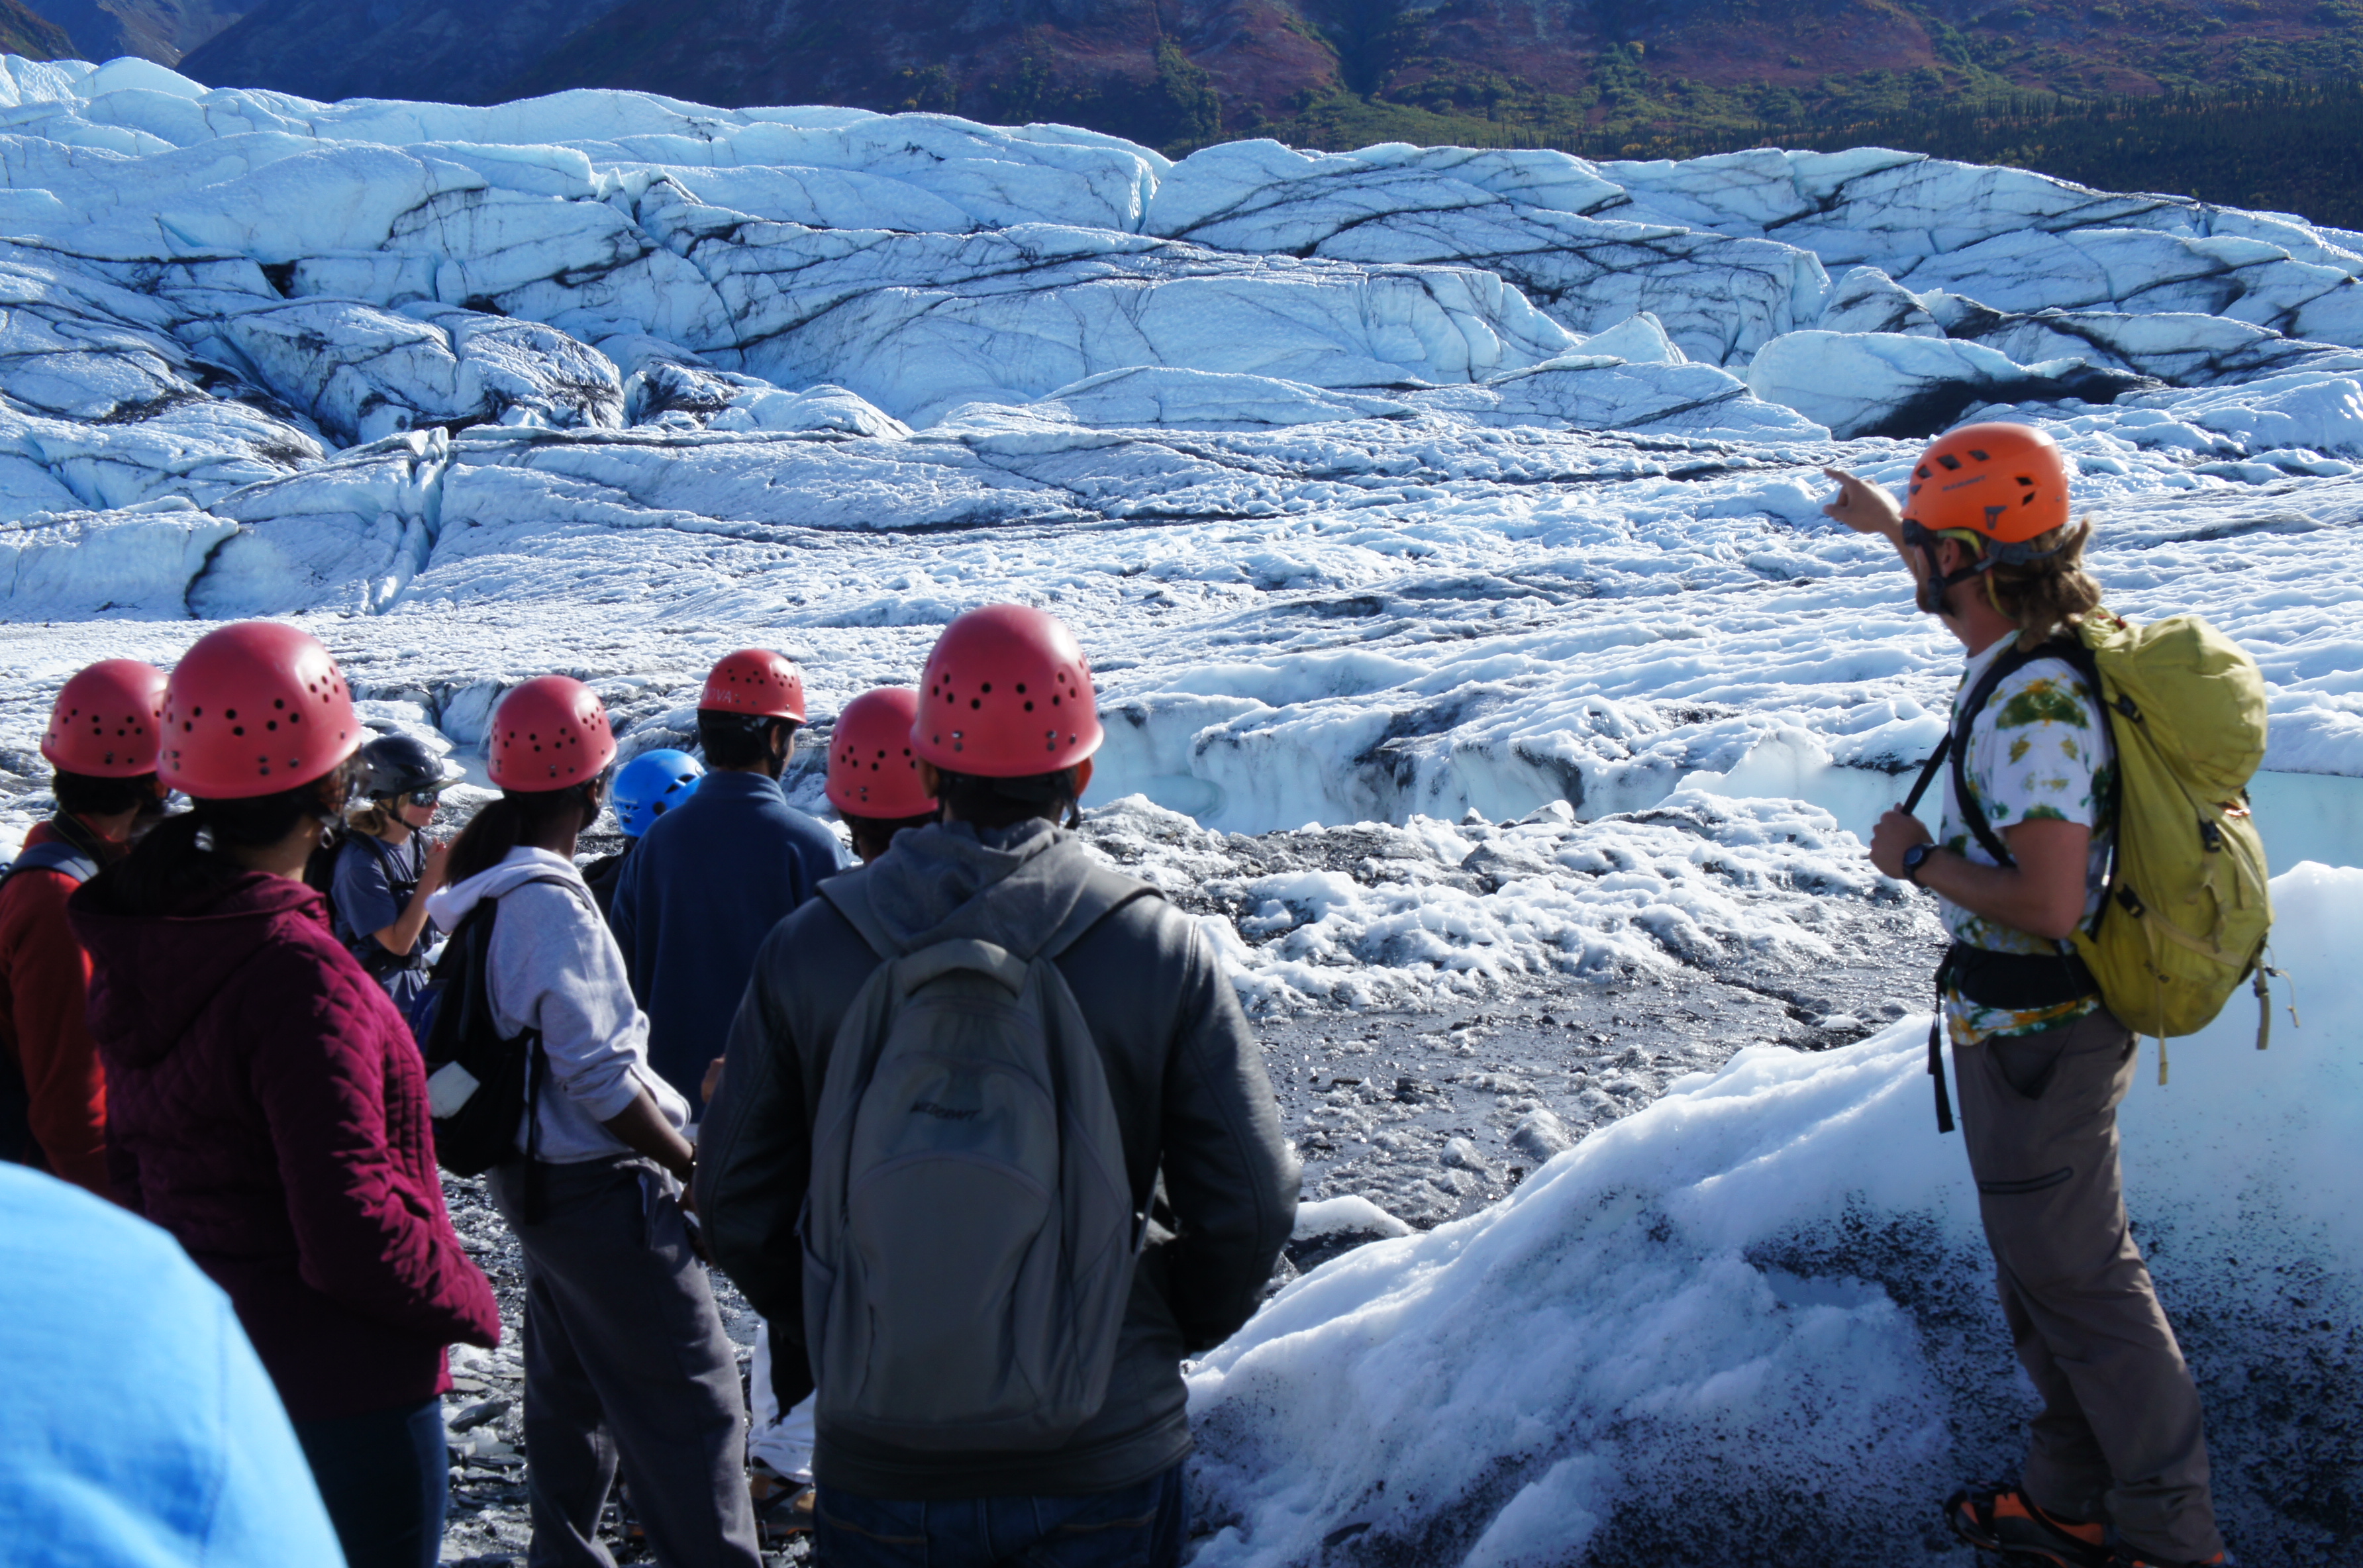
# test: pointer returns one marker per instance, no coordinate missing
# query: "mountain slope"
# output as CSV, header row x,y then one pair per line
x,y
1186,72
463,51
1163,74
35,37
161,30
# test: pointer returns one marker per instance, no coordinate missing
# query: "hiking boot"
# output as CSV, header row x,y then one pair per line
x,y
2005,1520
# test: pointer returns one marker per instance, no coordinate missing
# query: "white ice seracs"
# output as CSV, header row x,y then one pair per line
x,y
925,264
1525,215
1895,384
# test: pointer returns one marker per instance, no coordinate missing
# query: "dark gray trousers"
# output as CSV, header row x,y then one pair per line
x,y
626,1364
2119,1439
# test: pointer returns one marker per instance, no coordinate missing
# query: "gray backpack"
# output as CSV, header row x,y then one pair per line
x,y
970,1233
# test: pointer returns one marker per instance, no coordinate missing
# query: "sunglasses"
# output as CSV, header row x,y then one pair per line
x,y
422,798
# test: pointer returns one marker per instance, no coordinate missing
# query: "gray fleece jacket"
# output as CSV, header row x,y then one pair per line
x,y
1191,1098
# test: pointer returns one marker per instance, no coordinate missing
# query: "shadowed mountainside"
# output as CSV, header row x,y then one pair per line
x,y
1189,70
27,32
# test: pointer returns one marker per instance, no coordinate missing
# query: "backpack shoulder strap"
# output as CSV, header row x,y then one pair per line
x,y
2013,661
386,861
1104,891
551,878
54,855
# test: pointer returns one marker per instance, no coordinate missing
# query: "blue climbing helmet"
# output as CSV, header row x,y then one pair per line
x,y
652,784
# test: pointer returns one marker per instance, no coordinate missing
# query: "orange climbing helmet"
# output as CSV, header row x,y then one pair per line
x,y
1994,487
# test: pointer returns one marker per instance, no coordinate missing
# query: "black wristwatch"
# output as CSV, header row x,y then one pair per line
x,y
1915,857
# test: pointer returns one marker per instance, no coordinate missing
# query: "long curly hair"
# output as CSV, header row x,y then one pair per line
x,y
2046,597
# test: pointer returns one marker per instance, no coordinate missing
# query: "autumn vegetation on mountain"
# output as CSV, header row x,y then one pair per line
x,y
2250,102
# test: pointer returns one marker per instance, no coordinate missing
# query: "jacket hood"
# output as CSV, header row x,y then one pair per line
x,y
447,907
1012,886
152,974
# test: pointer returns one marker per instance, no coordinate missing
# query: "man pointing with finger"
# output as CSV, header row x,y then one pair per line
x,y
2116,1473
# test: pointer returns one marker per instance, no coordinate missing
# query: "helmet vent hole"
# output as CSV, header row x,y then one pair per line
x,y
1947,462
1979,456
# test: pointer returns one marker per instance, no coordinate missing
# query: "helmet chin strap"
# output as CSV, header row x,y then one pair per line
x,y
1935,582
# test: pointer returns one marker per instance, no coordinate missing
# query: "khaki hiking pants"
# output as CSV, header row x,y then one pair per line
x,y
2119,1439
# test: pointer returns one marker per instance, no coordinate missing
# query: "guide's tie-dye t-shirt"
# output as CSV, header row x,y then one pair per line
x,y
2040,749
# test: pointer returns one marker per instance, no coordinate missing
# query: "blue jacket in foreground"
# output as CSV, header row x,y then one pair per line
x,y
707,883
140,1429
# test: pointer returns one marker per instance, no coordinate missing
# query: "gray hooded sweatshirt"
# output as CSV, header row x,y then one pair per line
x,y
1191,1098
554,966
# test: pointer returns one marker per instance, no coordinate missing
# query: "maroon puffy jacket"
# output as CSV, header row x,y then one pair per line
x,y
266,1105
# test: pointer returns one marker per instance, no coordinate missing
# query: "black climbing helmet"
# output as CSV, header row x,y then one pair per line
x,y
391,765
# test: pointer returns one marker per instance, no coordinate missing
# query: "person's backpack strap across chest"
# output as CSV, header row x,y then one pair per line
x,y
2032,979
1954,748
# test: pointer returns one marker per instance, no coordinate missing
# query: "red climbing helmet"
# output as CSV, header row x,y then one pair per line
x,y
254,709
1007,694
756,682
547,734
106,719
873,769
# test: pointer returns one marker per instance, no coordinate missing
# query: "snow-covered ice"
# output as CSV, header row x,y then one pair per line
x,y
1477,662
1751,1323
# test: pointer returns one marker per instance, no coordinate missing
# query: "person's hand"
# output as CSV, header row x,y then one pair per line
x,y
438,851
713,1081
1862,505
692,1226
1897,832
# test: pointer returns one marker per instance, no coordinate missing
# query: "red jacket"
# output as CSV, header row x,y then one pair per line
x,y
43,972
267,1107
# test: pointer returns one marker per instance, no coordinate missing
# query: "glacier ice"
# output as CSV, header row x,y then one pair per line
x,y
1902,384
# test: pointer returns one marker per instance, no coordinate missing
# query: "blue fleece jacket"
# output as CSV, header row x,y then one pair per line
x,y
140,1429
708,882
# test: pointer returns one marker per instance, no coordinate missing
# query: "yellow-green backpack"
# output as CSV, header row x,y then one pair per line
x,y
2188,910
